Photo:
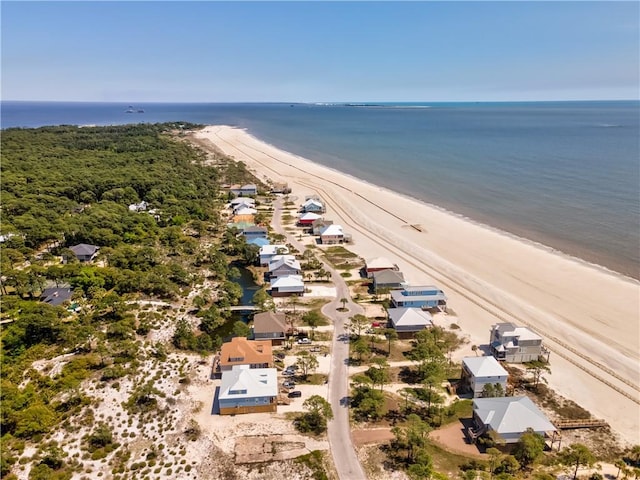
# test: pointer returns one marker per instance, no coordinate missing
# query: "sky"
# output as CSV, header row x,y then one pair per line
x,y
210,51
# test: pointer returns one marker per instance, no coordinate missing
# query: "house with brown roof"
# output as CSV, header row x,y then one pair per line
x,y
270,326
240,351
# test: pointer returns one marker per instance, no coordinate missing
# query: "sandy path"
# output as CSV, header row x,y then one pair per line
x,y
588,316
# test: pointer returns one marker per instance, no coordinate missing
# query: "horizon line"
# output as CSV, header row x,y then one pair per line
x,y
321,103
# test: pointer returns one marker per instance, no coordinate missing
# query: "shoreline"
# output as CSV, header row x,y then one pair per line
x,y
588,316
535,243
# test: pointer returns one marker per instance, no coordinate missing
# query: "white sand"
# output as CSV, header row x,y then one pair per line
x,y
586,314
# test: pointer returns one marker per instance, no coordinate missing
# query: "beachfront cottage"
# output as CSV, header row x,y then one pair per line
x,y
240,351
285,286
281,187
509,417
307,219
85,252
270,326
318,225
259,242
477,372
246,390
254,231
268,252
312,205
284,265
425,297
56,296
515,344
409,321
378,264
244,210
385,280
332,235
242,201
250,189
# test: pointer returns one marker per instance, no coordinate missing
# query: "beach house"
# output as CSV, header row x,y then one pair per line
x,y
385,280
378,264
254,231
242,201
85,252
259,242
318,225
268,252
409,321
477,372
270,326
509,417
312,205
332,235
515,344
240,351
247,390
425,297
284,265
250,189
307,219
287,285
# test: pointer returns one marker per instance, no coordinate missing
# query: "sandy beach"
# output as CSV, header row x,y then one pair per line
x,y
589,317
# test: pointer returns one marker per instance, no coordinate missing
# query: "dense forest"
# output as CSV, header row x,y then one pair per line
x,y
67,185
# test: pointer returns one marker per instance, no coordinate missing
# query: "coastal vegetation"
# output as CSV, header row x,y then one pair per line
x,y
151,203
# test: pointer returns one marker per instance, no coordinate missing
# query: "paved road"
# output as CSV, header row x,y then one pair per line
x,y
339,431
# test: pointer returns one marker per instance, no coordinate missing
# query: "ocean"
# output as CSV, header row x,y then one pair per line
x,y
563,174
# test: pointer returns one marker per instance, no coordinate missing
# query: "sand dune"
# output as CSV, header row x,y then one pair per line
x,y
588,316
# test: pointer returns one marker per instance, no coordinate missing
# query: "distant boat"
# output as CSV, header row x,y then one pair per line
x,y
129,109
140,110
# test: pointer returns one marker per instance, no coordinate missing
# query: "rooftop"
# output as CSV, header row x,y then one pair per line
x,y
484,367
244,382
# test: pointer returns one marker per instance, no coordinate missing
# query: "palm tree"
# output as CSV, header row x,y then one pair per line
x,y
344,301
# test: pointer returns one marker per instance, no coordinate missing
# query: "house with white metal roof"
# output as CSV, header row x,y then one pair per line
x,y
283,265
408,321
307,219
515,344
248,390
331,235
268,252
287,285
480,371
509,417
312,205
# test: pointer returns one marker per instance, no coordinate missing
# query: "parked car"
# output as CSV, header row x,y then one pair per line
x,y
304,341
289,384
280,355
295,394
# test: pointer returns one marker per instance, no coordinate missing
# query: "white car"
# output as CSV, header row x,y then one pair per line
x,y
304,341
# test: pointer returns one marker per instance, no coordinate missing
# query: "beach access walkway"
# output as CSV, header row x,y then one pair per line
x,y
343,451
